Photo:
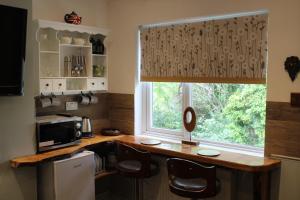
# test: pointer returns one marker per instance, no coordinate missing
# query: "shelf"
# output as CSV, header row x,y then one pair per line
x,y
99,55
50,52
71,27
65,77
105,173
75,45
68,77
55,57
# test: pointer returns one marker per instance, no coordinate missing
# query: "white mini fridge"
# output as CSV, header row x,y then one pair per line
x,y
68,179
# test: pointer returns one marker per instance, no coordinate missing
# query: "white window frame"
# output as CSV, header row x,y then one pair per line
x,y
148,130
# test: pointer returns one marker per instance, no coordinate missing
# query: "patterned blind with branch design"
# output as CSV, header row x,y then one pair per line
x,y
227,50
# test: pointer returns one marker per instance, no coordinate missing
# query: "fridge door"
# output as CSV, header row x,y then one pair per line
x,y
74,178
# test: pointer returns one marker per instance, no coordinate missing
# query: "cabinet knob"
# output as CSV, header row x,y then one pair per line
x,y
47,84
93,83
59,84
103,83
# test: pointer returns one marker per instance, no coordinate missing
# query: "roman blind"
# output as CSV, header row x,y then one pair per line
x,y
214,50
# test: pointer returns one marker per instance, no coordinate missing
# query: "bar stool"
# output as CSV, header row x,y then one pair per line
x,y
135,164
192,180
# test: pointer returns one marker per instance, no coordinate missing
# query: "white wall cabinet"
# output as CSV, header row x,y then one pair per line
x,y
68,62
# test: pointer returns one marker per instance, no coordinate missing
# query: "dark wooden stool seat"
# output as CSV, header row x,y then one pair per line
x,y
136,164
192,180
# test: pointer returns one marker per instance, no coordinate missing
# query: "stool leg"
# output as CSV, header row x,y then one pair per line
x,y
141,189
137,188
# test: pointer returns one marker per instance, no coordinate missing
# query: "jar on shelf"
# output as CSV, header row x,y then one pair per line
x,y
98,70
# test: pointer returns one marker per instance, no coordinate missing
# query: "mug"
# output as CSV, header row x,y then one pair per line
x,y
93,99
84,100
45,102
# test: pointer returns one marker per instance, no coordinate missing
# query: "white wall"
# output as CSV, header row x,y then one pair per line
x,y
17,129
93,12
17,114
125,16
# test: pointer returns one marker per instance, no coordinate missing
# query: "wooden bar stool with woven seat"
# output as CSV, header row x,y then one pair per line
x,y
192,180
135,164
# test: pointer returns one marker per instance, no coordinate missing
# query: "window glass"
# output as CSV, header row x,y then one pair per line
x,y
167,106
230,113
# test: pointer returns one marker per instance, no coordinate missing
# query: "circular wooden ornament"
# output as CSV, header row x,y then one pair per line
x,y
189,126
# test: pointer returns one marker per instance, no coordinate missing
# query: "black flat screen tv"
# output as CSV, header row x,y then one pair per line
x,y
13,22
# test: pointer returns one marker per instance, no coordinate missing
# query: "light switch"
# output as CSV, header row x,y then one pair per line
x,y
71,105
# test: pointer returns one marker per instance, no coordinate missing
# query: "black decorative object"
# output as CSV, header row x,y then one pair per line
x,y
72,18
98,46
292,66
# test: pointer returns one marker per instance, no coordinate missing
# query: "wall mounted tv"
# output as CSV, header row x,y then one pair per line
x,y
13,23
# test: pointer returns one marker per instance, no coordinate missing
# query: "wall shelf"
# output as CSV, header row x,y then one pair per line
x,y
75,45
70,68
50,52
99,55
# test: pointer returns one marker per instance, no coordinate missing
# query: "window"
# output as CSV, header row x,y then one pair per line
x,y
202,58
232,114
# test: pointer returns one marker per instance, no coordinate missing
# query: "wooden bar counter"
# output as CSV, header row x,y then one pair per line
x,y
259,166
226,159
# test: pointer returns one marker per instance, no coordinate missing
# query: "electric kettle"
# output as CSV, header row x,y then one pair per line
x,y
86,127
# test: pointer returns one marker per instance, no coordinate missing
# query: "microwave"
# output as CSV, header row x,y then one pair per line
x,y
53,132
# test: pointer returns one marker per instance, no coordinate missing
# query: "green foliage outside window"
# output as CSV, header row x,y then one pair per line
x,y
233,113
167,106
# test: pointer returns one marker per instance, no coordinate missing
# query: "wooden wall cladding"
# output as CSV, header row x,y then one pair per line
x,y
99,113
121,112
111,111
282,130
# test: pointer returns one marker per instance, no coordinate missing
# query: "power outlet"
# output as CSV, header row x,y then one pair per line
x,y
71,105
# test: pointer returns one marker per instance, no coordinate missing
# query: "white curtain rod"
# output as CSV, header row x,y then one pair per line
x,y
206,18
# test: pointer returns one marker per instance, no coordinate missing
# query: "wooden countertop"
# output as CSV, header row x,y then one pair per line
x,y
227,159
32,160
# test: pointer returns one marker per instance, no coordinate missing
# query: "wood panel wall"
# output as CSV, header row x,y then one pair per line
x,y
111,111
121,112
282,129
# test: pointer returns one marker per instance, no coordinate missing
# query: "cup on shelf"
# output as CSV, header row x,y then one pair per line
x,y
78,41
98,70
65,40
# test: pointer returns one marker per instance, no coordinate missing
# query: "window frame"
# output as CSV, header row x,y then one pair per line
x,y
148,130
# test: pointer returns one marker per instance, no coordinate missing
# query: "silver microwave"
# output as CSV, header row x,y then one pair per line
x,y
54,131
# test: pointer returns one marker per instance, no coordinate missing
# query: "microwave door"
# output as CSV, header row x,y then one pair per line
x,y
56,134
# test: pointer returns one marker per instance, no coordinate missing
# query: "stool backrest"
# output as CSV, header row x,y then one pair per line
x,y
125,152
186,169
